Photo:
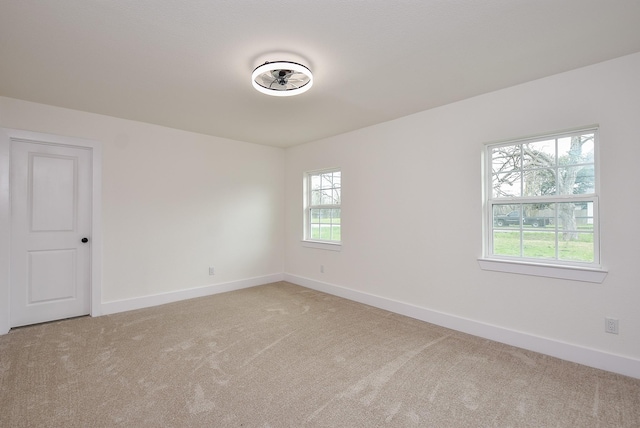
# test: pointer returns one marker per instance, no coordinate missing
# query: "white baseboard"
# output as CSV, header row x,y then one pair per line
x,y
175,296
565,351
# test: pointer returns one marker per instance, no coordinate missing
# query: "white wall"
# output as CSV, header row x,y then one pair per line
x,y
174,202
412,213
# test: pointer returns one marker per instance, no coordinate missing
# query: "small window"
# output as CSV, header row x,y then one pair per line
x,y
322,206
541,200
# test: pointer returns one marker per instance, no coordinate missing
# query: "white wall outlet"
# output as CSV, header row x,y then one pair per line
x,y
611,325
212,271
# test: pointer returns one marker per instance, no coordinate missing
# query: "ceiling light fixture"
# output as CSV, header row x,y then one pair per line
x,y
282,78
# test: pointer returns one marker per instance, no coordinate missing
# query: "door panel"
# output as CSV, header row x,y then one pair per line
x,y
51,276
53,184
50,214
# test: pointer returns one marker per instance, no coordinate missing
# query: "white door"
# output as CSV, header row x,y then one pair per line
x,y
50,219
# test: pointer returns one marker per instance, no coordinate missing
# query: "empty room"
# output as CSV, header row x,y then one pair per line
x,y
288,213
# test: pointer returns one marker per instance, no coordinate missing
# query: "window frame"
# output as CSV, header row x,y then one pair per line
x,y
552,267
307,240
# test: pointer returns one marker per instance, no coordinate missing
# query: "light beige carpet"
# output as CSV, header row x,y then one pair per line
x,y
280,355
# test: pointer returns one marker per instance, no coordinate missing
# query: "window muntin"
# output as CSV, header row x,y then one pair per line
x,y
323,206
542,201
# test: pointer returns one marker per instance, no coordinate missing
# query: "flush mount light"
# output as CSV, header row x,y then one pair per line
x,y
282,78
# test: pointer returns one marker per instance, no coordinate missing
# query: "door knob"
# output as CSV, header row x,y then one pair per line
x,y
85,240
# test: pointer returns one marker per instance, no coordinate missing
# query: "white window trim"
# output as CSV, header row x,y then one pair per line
x,y
574,273
590,272
306,241
323,245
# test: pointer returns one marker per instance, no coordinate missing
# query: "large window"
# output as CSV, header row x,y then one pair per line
x,y
541,200
322,206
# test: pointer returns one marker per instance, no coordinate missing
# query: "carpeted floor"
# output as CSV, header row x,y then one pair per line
x,y
280,355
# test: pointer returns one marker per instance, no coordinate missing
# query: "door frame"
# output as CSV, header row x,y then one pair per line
x,y
95,289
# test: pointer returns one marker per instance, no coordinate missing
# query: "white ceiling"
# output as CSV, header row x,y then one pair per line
x,y
187,64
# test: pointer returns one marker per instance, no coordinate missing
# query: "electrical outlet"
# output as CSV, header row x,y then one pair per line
x,y
321,268
211,270
611,325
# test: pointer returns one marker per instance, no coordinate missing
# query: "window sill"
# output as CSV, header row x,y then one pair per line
x,y
322,245
550,271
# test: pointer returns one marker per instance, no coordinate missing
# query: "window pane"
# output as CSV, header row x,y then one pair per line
x,y
335,215
539,244
506,185
575,217
534,215
575,228
326,198
505,215
576,180
539,154
585,180
583,212
327,181
580,248
576,149
336,196
335,232
315,216
336,179
315,231
316,197
539,182
506,243
567,218
315,182
538,215
505,159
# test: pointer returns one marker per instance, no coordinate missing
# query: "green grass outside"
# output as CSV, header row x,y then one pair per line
x,y
542,245
331,233
538,244
325,225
